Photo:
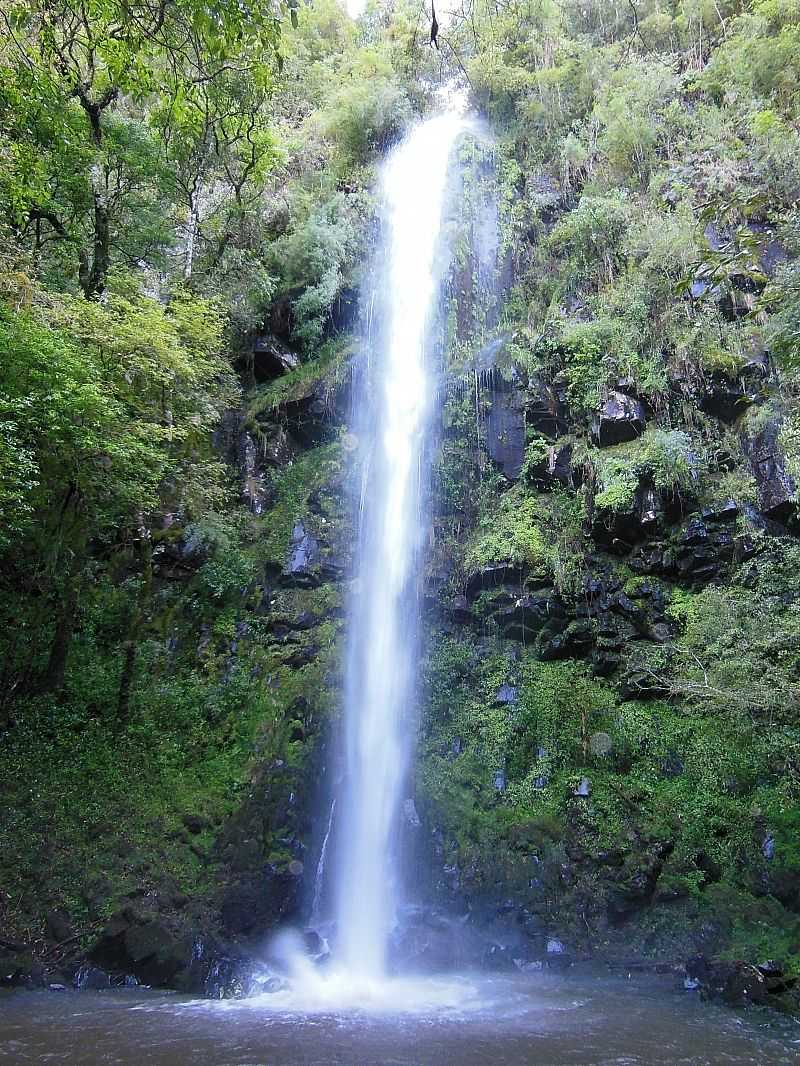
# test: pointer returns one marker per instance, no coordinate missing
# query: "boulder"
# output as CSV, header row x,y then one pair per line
x,y
776,487
20,969
494,575
546,406
554,469
621,418
91,978
739,984
146,946
271,357
303,558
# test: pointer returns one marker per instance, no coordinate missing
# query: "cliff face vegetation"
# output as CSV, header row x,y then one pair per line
x,y
609,748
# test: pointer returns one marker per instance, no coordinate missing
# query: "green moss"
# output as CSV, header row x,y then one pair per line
x,y
513,531
670,459
542,533
292,485
323,374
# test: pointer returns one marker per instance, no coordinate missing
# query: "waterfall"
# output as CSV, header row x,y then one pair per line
x,y
381,668
319,879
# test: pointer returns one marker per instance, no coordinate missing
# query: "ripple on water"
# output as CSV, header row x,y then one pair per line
x,y
468,1020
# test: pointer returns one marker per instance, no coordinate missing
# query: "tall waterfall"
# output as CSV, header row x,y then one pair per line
x,y
382,653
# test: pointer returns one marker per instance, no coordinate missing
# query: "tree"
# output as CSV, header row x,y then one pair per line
x,y
102,58
106,402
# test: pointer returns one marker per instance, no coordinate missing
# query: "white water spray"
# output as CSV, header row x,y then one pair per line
x,y
382,660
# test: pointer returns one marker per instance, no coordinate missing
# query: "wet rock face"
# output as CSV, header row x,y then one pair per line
x,y
739,984
554,469
271,358
495,575
621,418
259,902
619,531
505,428
776,488
546,409
310,562
303,557
727,396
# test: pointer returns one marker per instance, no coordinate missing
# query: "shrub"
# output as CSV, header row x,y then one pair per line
x,y
591,237
669,458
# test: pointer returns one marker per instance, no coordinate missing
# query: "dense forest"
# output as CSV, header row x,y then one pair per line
x,y
612,594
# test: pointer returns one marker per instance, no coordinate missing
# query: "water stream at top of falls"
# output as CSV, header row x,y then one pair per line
x,y
383,631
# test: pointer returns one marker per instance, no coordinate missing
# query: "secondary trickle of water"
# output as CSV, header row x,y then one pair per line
x,y
381,664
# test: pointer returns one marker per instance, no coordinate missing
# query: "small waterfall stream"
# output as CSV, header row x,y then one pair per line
x,y
383,629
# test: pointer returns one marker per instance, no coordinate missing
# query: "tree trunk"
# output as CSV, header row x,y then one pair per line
x,y
93,276
130,645
191,235
55,672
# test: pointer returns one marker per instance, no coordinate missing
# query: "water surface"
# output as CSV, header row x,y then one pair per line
x,y
505,1021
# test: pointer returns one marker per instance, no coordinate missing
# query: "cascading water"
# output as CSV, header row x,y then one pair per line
x,y
393,405
381,665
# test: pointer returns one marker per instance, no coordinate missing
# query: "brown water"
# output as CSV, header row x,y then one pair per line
x,y
540,1019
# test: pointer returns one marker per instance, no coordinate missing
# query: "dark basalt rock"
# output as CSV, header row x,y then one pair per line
x,y
529,614
727,511
91,978
493,576
739,984
776,488
621,418
310,562
726,394
620,531
145,945
554,469
698,551
259,901
573,643
274,449
505,428
271,357
343,314
303,557
546,406
723,398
